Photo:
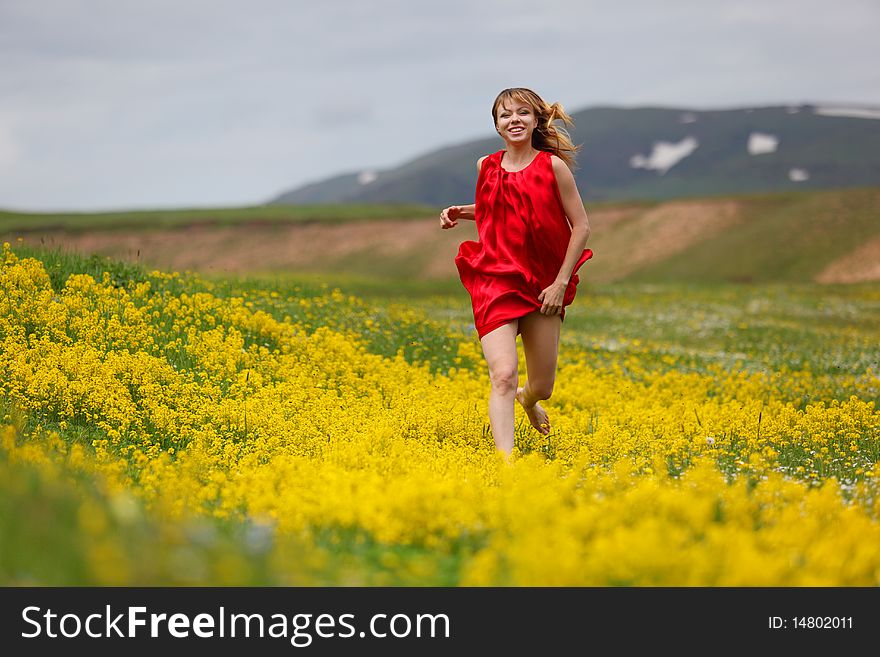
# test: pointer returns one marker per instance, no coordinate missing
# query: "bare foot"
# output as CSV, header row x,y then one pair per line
x,y
537,415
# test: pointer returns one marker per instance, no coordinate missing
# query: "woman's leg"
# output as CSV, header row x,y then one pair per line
x,y
540,336
499,348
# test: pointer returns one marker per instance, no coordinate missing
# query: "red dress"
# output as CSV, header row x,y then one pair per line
x,y
524,235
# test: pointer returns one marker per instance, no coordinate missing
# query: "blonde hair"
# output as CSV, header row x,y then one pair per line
x,y
547,136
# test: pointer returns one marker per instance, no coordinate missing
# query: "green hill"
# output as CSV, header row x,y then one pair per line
x,y
649,153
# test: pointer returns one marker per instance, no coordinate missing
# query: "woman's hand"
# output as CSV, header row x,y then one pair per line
x,y
551,298
449,217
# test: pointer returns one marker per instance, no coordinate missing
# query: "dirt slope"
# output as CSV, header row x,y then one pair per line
x,y
624,240
858,266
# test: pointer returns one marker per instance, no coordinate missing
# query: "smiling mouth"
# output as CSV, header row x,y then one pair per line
x,y
517,130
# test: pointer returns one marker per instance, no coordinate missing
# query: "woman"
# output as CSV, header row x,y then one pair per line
x,y
522,273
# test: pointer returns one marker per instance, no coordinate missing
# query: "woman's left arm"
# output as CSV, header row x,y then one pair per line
x,y
577,215
551,297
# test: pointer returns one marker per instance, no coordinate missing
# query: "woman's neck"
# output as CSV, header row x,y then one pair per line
x,y
518,154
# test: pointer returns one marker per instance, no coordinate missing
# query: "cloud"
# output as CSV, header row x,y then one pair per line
x,y
340,112
9,148
214,101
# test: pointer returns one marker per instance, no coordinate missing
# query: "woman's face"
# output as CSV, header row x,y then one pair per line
x,y
516,121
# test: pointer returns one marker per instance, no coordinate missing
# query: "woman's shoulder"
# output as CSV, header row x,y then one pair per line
x,y
482,159
559,165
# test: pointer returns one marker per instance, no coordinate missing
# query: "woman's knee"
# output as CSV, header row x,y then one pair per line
x,y
503,378
541,388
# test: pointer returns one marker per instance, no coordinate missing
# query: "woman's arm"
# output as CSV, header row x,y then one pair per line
x,y
577,215
467,211
449,217
552,296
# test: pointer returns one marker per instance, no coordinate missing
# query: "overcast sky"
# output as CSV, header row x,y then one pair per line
x,y
112,104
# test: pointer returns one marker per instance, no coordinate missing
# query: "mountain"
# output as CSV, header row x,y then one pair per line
x,y
652,153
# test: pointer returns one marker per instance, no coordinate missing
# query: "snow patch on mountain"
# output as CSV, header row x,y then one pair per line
x,y
665,155
850,112
366,177
762,143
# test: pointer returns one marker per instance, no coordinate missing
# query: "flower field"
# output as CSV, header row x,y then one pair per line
x,y
164,429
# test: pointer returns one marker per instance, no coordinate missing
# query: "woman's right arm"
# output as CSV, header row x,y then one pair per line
x,y
464,211
450,216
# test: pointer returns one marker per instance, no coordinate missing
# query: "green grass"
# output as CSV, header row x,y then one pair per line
x,y
11,221
825,328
